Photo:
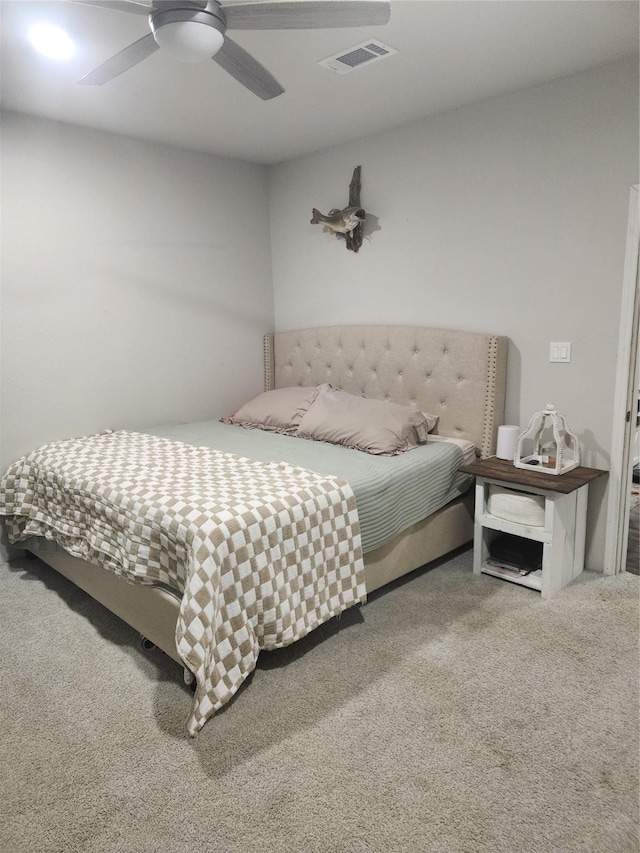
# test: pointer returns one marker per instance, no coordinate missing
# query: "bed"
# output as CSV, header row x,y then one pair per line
x,y
457,376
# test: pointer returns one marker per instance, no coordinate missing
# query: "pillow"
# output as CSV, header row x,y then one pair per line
x,y
374,426
279,410
431,420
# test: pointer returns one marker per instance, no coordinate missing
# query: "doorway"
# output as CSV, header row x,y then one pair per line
x,y
625,406
633,545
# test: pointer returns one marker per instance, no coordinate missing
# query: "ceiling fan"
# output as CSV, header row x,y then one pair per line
x,y
195,30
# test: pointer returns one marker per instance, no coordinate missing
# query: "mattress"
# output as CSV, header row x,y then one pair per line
x,y
392,492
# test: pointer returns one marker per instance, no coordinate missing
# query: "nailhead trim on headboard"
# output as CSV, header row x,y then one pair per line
x,y
496,392
487,430
269,368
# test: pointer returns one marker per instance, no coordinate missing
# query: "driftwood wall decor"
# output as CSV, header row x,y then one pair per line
x,y
346,224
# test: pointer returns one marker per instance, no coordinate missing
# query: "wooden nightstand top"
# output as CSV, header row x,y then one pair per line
x,y
506,472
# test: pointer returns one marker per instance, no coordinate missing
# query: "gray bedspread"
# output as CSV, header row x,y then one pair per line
x,y
392,492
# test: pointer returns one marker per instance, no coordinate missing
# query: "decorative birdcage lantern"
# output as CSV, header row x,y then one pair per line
x,y
556,449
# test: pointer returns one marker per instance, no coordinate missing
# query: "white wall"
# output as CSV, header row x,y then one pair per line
x,y
136,283
508,216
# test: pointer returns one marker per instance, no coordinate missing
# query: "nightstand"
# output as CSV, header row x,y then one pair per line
x,y
562,533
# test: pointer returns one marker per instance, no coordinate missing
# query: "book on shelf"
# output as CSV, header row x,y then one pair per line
x,y
510,569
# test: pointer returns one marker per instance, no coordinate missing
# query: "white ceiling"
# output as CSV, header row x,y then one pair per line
x,y
450,53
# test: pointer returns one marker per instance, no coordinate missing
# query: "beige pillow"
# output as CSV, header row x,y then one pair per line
x,y
374,426
279,410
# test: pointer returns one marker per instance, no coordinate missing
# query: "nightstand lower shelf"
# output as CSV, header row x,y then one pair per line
x,y
532,580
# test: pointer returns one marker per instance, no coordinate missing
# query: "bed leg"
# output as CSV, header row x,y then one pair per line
x,y
146,644
187,676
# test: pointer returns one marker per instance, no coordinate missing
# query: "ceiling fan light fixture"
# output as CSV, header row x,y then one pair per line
x,y
189,41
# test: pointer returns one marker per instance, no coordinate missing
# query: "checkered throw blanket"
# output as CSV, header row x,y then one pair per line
x,y
262,552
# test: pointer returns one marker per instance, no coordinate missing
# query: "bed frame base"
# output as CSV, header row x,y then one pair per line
x,y
153,611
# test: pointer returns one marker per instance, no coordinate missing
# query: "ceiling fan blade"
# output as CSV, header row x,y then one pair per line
x,y
117,5
121,62
246,70
307,14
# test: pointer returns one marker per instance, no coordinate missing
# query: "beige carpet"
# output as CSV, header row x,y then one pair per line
x,y
452,714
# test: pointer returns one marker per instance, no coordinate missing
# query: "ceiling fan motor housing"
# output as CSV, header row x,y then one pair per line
x,y
189,32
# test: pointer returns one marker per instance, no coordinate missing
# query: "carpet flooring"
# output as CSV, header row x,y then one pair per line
x,y
451,714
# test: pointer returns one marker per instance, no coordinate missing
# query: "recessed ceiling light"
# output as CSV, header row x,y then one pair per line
x,y
51,41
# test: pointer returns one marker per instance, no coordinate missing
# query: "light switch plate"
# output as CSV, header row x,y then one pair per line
x,y
560,351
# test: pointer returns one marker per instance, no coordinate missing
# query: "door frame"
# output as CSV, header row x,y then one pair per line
x,y
625,400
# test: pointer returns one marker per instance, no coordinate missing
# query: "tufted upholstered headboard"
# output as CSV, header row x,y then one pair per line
x,y
459,376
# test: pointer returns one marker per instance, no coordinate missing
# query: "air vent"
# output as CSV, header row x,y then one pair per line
x,y
357,56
